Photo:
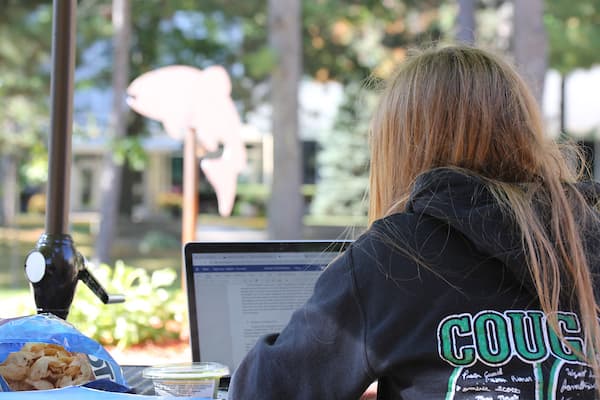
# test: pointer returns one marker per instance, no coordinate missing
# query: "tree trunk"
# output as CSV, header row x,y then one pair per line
x,y
111,172
530,44
8,212
465,22
8,169
563,112
286,207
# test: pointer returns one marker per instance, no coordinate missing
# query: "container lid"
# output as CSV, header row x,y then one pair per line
x,y
194,370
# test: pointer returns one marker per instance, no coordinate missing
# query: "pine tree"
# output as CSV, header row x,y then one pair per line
x,y
343,159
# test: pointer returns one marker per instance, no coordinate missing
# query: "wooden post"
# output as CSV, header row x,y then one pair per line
x,y
189,215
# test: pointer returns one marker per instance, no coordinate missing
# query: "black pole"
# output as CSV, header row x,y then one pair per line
x,y
61,92
54,267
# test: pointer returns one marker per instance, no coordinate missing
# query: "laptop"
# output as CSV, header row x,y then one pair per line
x,y
239,291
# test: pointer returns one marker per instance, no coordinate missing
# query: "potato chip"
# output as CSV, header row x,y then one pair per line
x,y
19,385
40,384
42,366
14,372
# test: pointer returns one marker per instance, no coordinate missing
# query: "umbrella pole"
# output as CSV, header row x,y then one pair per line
x,y
61,92
54,267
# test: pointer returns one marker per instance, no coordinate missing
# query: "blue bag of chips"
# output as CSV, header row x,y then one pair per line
x,y
39,352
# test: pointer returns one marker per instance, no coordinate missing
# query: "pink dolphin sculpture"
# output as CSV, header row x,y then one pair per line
x,y
184,98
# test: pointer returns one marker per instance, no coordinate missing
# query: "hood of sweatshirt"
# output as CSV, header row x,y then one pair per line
x,y
465,203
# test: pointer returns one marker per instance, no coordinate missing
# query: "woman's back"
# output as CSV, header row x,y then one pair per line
x,y
450,309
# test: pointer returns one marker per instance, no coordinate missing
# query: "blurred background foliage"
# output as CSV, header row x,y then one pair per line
x,y
346,41
574,34
353,43
155,310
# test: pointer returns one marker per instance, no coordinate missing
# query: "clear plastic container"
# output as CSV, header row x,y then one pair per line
x,y
200,379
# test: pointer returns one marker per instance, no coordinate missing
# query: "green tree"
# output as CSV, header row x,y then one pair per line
x,y
375,41
24,87
574,36
574,33
344,162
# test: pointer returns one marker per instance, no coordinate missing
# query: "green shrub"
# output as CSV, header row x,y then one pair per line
x,y
252,198
154,308
157,240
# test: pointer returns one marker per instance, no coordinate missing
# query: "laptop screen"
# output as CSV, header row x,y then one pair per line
x,y
238,292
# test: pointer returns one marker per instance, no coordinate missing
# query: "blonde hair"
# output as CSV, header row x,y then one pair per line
x,y
465,108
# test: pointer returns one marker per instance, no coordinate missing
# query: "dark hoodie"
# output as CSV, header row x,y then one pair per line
x,y
434,303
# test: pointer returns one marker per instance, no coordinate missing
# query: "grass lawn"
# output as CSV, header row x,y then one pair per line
x,y
20,299
11,294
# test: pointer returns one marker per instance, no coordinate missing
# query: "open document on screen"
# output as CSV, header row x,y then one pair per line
x,y
242,296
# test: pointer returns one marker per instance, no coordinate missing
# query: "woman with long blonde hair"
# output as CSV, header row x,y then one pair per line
x,y
477,277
